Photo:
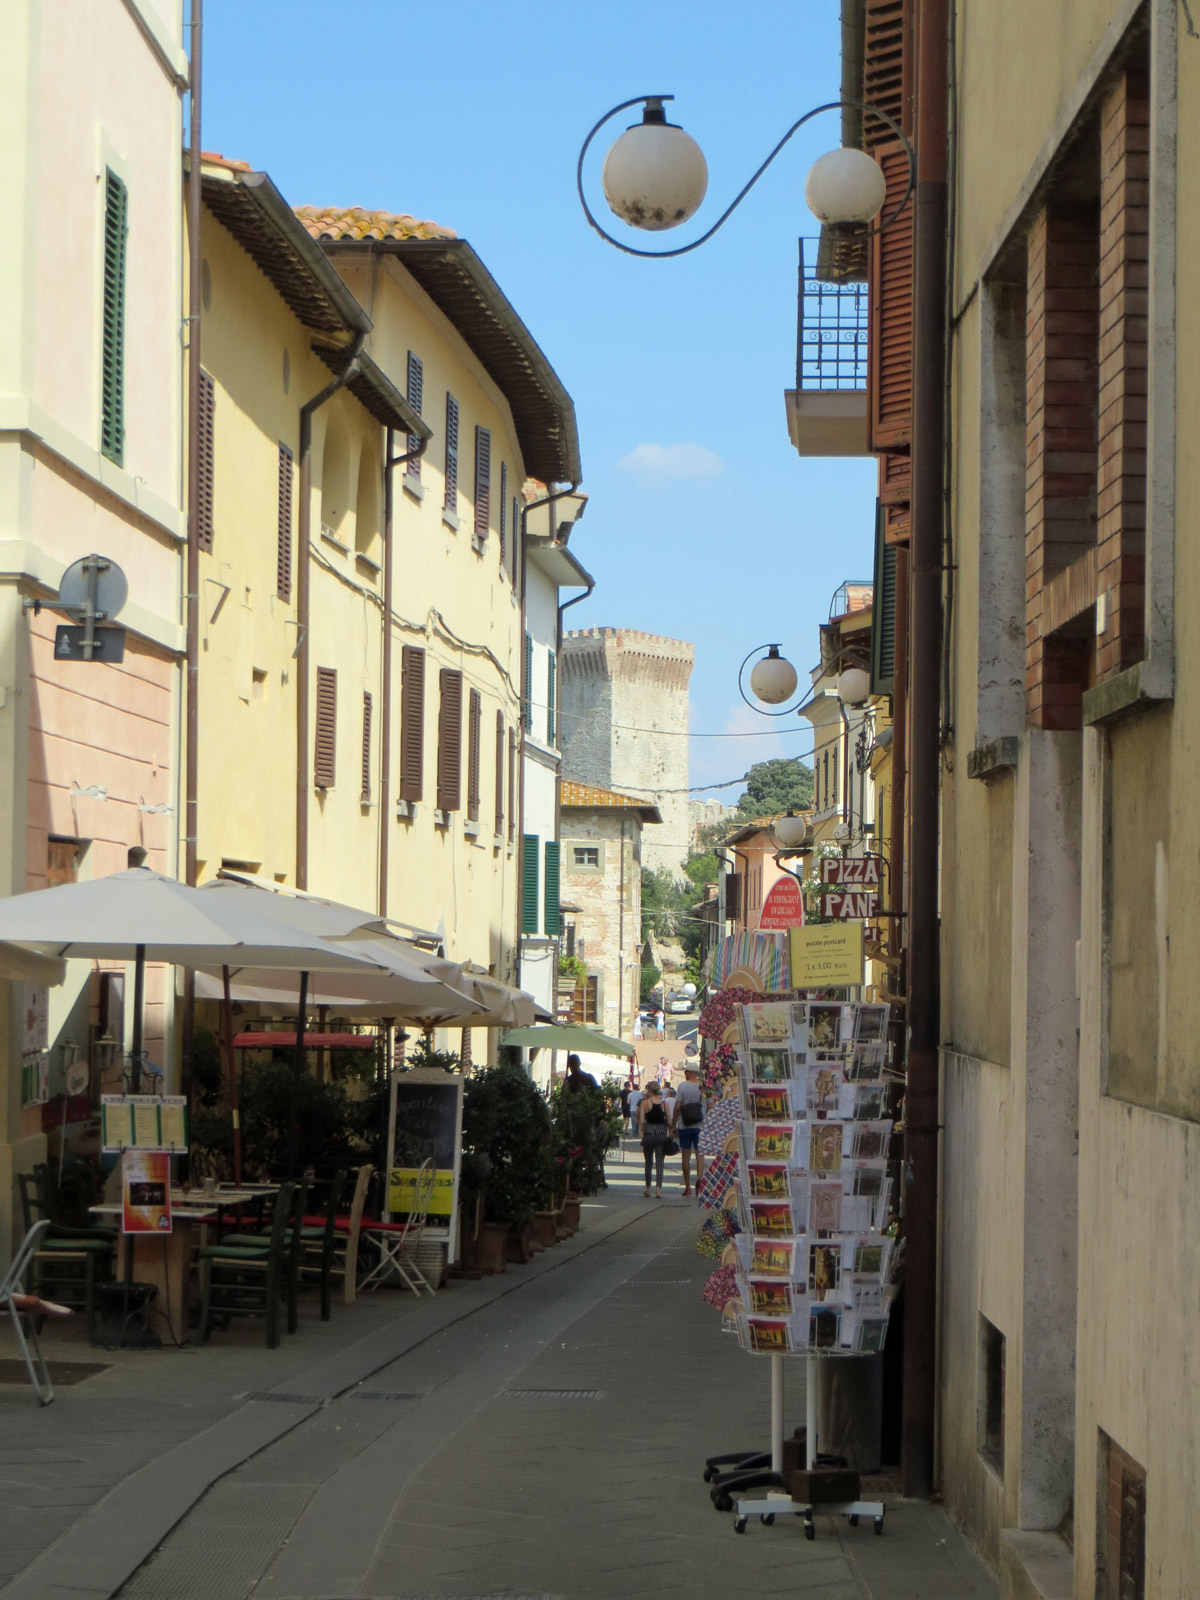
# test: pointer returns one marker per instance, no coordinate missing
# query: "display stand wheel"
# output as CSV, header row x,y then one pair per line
x,y
810,1530
722,1500
768,1520
878,1524
739,1524
853,1521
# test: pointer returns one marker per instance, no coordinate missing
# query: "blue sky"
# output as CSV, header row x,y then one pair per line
x,y
473,114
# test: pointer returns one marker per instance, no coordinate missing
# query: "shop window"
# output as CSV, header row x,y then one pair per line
x,y
991,1394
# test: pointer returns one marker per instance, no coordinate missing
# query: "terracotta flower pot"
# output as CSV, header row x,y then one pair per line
x,y
545,1229
491,1248
519,1244
568,1217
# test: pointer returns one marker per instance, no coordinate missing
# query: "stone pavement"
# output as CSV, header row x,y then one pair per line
x,y
539,1434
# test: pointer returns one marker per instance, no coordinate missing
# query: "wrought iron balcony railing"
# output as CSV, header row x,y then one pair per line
x,y
831,334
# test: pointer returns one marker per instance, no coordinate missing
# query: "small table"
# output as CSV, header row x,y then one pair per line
x,y
165,1259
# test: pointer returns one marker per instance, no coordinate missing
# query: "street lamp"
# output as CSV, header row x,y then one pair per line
x,y
790,831
853,686
773,680
655,176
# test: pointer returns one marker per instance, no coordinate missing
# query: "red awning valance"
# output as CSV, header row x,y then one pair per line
x,y
312,1041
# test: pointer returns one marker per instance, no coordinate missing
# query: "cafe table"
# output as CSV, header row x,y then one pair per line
x,y
165,1259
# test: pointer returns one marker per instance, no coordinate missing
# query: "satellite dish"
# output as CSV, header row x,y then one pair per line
x,y
96,577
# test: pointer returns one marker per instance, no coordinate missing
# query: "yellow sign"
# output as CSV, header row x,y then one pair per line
x,y
402,1185
826,955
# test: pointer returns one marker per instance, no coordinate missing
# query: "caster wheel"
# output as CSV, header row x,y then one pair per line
x,y
739,1525
768,1519
810,1531
709,1474
878,1524
853,1521
722,1502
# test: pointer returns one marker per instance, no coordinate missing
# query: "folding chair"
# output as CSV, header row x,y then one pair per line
x,y
18,1304
400,1242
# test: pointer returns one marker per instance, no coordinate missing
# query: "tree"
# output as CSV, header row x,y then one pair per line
x,y
784,784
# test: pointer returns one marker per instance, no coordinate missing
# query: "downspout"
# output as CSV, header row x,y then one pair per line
x,y
385,698
847,807
303,563
921,1107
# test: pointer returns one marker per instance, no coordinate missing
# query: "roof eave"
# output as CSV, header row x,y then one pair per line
x,y
376,392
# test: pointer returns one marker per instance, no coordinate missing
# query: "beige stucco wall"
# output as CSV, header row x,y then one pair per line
x,y
610,900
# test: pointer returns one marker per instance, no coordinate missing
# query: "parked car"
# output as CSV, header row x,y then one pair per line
x,y
678,1003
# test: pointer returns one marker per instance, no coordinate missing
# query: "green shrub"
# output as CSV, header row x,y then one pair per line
x,y
506,1120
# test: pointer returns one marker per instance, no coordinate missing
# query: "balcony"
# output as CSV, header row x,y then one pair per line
x,y
827,410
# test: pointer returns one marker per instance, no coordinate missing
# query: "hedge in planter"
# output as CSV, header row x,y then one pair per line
x,y
584,1129
506,1120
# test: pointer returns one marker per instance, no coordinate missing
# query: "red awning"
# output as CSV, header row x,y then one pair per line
x,y
313,1041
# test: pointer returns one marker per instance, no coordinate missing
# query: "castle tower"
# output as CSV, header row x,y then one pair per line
x,y
624,726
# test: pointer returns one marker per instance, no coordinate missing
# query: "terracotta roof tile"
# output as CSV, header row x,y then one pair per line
x,y
213,158
355,222
588,796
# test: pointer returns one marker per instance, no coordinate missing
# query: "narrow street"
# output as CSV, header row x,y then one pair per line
x,y
547,1441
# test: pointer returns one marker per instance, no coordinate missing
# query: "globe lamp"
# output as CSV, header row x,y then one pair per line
x,y
791,831
853,686
773,679
845,185
655,176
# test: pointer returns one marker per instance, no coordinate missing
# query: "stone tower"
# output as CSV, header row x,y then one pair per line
x,y
624,726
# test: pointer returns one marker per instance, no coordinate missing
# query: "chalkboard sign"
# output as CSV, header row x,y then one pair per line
x,y
426,1122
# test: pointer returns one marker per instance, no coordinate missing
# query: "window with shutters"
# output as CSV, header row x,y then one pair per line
x,y
527,686
585,1006
512,784
451,500
416,389
366,748
503,514
529,882
551,912
283,535
890,314
412,722
551,692
112,344
733,896
883,610
513,554
499,773
204,462
449,769
474,732
887,68
325,753
483,483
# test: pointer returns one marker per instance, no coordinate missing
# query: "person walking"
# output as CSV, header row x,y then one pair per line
x,y
654,1127
686,1123
665,1072
660,1022
639,1033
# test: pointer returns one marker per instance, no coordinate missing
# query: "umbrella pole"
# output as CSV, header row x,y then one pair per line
x,y
139,999
231,1072
297,1072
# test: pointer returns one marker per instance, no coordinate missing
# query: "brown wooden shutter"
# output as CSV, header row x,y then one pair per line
x,y
733,896
416,389
325,760
283,556
890,314
449,769
366,748
204,461
483,482
503,513
512,784
451,500
887,68
412,722
499,773
474,729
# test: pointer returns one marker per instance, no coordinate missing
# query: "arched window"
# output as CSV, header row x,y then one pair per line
x,y
366,503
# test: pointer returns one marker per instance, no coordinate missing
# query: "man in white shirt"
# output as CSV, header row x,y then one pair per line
x,y
686,1122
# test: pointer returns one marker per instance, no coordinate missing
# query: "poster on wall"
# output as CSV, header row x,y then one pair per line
x,y
425,1123
145,1191
35,1044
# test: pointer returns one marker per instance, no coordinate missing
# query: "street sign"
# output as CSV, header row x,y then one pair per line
x,y
826,954
784,905
846,872
94,583
846,905
71,643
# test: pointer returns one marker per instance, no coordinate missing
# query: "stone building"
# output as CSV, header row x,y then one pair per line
x,y
625,723
602,856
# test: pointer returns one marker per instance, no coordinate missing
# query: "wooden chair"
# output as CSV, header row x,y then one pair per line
x,y
346,1238
317,1244
67,1263
248,1277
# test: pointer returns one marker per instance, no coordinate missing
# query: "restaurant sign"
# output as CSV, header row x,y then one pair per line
x,y
425,1122
784,905
849,887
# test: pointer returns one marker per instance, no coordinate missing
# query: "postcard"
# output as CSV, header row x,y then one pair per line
x,y
871,1026
872,1332
870,1142
869,1258
825,1147
868,1178
770,1258
869,1102
771,1219
768,1336
768,1180
824,1085
865,1063
767,1024
824,1206
773,1141
771,1296
770,1066
867,1299
824,1026
768,1102
824,1270
824,1328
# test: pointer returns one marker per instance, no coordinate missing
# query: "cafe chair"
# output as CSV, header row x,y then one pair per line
x,y
400,1242
67,1263
247,1277
26,1310
317,1239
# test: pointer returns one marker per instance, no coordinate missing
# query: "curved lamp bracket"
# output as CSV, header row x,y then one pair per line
x,y
683,249
788,711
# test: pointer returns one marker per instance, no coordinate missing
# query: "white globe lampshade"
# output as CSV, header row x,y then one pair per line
x,y
689,989
773,679
791,831
655,176
845,186
853,686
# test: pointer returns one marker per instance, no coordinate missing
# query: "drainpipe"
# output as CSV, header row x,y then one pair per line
x,y
385,698
899,743
303,574
921,1099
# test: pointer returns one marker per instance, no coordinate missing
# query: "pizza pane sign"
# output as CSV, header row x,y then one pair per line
x,y
850,887
784,905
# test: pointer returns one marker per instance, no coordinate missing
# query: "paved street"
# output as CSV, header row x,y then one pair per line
x,y
537,1434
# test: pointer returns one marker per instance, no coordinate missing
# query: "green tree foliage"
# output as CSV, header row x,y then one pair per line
x,y
651,978
784,784
668,906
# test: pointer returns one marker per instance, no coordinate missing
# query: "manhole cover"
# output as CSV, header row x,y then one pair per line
x,y
284,1399
552,1394
63,1373
386,1394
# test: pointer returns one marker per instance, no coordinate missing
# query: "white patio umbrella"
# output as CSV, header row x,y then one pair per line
x,y
29,967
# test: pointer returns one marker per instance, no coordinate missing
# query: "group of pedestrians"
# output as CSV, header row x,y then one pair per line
x,y
667,1119
657,1020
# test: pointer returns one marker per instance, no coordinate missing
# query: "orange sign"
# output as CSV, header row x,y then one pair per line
x,y
145,1191
784,905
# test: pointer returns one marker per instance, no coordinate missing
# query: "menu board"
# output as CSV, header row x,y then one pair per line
x,y
426,1123
144,1122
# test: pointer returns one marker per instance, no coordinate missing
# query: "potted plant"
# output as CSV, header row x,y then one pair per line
x,y
506,1120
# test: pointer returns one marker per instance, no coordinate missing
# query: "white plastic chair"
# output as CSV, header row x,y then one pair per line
x,y
12,1293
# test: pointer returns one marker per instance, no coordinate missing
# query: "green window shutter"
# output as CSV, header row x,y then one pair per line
x,y
883,612
551,687
553,922
528,695
112,369
529,883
